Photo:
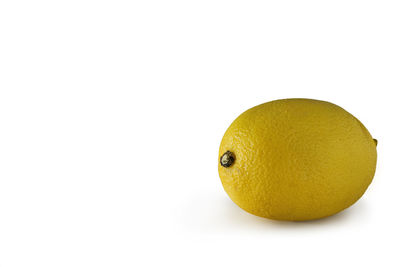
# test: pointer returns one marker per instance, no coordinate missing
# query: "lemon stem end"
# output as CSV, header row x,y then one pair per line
x,y
227,159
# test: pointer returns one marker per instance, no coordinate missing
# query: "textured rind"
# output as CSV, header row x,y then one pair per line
x,y
297,159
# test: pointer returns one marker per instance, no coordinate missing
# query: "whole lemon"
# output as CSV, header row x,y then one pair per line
x,y
296,159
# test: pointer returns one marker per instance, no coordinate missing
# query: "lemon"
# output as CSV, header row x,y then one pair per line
x,y
296,159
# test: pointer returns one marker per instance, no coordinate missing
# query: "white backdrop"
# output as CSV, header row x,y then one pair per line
x,y
111,114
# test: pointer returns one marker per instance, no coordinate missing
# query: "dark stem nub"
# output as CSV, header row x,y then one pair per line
x,y
376,142
227,159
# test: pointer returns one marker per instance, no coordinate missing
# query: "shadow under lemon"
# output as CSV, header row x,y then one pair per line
x,y
357,211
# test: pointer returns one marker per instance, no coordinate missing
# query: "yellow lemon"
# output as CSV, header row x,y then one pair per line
x,y
296,159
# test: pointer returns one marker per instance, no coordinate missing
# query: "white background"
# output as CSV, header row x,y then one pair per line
x,y
111,114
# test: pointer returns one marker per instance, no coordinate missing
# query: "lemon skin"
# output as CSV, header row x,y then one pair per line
x,y
296,160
